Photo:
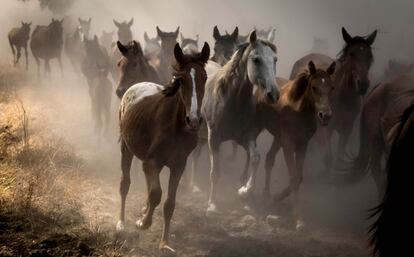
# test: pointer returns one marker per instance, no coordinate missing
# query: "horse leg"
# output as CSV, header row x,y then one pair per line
x,y
169,204
245,174
214,172
328,158
19,54
194,164
270,161
297,181
38,65
248,188
378,174
47,68
60,64
126,160
152,174
13,52
27,59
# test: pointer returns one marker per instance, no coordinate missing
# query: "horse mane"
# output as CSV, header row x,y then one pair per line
x,y
299,86
384,238
341,56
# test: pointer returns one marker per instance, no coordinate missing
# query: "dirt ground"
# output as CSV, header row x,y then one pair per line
x,y
59,190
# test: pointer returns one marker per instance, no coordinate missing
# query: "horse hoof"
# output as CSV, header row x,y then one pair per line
x,y
243,192
211,210
141,225
300,225
196,189
120,226
167,250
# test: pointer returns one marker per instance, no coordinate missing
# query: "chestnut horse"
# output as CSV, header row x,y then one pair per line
x,y
133,67
351,83
379,121
389,232
229,104
224,45
159,125
18,38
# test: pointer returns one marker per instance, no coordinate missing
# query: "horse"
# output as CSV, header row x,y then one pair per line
x,y
133,67
229,104
304,104
352,82
124,33
224,45
47,43
396,68
18,38
159,126
379,122
74,43
152,50
267,34
168,40
389,231
107,40
189,45
95,67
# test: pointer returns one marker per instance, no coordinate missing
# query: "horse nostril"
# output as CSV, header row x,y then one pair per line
x,y
187,119
200,120
320,114
270,97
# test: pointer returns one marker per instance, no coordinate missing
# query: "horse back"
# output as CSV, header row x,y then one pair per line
x,y
320,60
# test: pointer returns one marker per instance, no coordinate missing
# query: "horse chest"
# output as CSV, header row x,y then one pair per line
x,y
298,127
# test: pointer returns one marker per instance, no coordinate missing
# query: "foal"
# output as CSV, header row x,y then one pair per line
x,y
159,125
303,102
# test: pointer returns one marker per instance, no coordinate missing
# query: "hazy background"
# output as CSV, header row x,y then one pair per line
x,y
297,21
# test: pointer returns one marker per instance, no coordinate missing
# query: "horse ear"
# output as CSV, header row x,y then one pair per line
x,y
29,24
90,20
181,37
176,32
61,21
22,23
117,23
347,38
130,22
178,53
253,38
95,38
216,33
312,68
272,35
80,20
146,38
235,34
205,52
160,33
197,38
331,68
53,19
371,38
171,89
122,48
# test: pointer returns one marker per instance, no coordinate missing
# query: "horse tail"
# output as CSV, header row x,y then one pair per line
x,y
389,232
355,168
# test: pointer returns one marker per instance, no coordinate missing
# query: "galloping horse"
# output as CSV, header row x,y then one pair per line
x,y
351,83
47,43
304,103
168,40
95,67
74,43
229,103
125,37
389,232
159,125
224,45
133,67
379,122
18,38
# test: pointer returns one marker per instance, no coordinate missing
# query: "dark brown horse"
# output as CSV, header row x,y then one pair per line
x,y
133,67
18,38
392,230
152,50
351,83
189,45
47,43
159,125
95,67
304,103
224,45
168,40
379,122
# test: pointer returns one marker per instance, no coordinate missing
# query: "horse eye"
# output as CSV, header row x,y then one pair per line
x,y
256,60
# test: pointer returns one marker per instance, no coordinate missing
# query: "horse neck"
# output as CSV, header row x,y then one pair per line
x,y
241,89
343,79
175,106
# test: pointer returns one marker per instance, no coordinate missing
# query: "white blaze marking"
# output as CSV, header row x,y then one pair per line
x,y
194,106
323,80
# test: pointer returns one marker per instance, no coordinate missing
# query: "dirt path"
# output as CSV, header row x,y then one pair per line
x,y
335,224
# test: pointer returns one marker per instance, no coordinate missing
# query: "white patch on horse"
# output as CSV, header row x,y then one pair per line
x,y
323,80
137,93
194,105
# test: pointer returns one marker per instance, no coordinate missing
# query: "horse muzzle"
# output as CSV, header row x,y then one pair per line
x,y
324,117
193,124
120,92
